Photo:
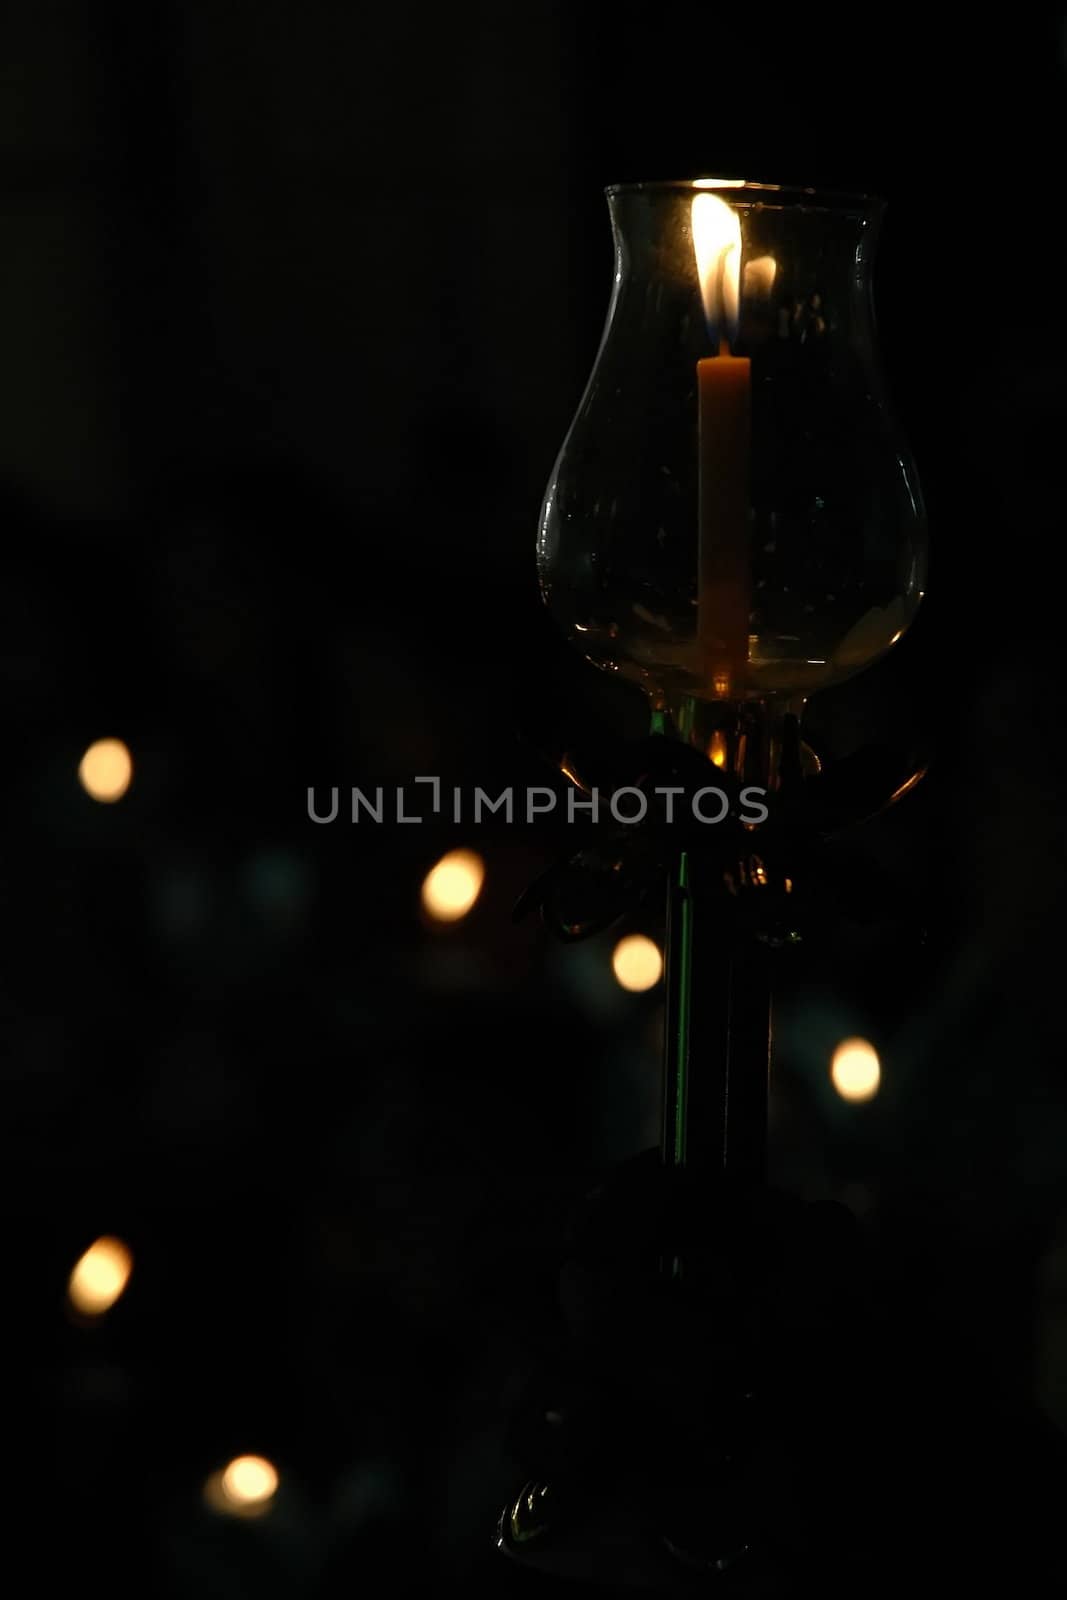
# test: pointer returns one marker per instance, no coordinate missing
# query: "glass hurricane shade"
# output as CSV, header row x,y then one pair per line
x,y
734,514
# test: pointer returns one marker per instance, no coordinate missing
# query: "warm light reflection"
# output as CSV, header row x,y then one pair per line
x,y
717,749
99,1277
855,1070
907,786
718,183
244,1488
450,889
637,963
760,275
717,246
105,770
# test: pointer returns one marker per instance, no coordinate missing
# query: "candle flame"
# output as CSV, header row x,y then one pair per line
x,y
717,244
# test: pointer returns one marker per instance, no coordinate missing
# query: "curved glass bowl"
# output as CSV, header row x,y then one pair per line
x,y
734,471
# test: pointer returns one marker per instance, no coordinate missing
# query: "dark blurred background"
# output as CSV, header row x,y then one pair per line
x,y
296,303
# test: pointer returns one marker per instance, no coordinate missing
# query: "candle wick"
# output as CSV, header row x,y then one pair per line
x,y
724,348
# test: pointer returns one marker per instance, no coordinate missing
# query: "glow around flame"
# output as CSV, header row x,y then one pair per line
x,y
717,246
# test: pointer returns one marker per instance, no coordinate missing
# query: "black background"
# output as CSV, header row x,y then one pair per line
x,y
296,302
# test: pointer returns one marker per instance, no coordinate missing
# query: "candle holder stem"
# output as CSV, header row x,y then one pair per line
x,y
717,1028
718,973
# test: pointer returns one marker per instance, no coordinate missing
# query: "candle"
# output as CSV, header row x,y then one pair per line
x,y
724,384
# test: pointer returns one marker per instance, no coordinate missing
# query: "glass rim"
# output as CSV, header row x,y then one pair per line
x,y
750,189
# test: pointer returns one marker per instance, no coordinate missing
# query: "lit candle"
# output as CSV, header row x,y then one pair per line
x,y
724,392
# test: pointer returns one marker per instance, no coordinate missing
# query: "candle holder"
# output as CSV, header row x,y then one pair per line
x,y
734,515
734,523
